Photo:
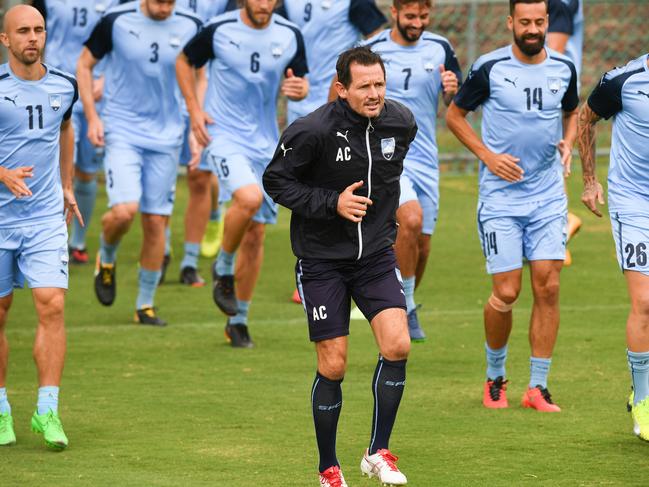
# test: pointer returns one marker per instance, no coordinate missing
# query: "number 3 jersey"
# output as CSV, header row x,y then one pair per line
x,y
245,72
522,107
143,101
31,113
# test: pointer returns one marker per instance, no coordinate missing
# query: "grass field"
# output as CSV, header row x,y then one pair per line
x,y
178,407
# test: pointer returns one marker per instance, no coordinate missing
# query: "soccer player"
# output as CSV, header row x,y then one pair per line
x,y
249,50
69,23
528,94
421,67
36,147
338,170
566,35
141,128
623,93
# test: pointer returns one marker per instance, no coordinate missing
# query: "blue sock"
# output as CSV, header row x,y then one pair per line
x,y
4,402
168,240
225,263
48,399
539,369
85,192
639,365
241,318
191,255
409,291
496,362
107,252
148,283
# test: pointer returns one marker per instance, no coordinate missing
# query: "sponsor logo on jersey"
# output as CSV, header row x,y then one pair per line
x,y
387,147
285,149
134,34
640,92
513,82
55,102
344,136
12,100
554,84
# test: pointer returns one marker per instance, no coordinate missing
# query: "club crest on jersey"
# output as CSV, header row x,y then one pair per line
x,y
174,41
55,102
428,64
100,8
276,49
326,4
387,147
554,84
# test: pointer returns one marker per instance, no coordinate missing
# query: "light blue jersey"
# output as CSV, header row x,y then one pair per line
x,y
329,27
205,9
623,93
522,107
567,17
31,113
413,78
246,69
143,101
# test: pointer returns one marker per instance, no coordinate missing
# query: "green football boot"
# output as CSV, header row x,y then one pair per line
x,y
7,435
49,424
640,414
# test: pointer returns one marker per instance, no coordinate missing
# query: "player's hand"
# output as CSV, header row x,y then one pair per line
x,y
96,132
98,88
70,207
593,194
294,87
14,179
350,206
450,82
505,166
199,121
566,156
195,150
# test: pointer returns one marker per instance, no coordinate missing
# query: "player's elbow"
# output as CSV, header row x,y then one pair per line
x,y
453,117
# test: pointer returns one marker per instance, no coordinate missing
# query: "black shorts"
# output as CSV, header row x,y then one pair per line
x,y
326,287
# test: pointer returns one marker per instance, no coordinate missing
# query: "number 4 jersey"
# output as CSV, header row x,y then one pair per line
x,y
522,115
143,105
31,113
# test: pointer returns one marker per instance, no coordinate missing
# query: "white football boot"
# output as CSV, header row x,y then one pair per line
x,y
383,466
332,477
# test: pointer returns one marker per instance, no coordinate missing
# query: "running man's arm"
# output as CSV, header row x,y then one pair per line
x,y
587,135
66,142
85,81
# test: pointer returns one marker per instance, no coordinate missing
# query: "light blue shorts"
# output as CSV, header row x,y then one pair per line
x,y
36,253
236,171
631,235
136,175
428,199
87,157
535,230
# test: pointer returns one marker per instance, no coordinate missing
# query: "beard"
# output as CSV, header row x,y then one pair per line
x,y
410,35
260,20
28,57
530,49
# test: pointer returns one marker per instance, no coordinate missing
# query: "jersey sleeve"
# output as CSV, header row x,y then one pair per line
x,y
298,149
570,100
298,64
75,97
476,89
100,41
200,49
450,61
561,18
366,16
606,98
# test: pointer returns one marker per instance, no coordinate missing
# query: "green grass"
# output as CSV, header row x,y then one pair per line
x,y
178,407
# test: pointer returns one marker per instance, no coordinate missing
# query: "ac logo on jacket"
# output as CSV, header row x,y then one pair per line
x,y
344,154
387,147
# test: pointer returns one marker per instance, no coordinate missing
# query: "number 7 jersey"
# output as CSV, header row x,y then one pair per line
x,y
31,114
522,115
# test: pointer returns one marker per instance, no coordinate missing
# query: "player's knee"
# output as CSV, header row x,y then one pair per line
x,y
248,200
547,291
411,222
50,309
397,349
199,182
123,215
640,307
154,224
333,367
504,298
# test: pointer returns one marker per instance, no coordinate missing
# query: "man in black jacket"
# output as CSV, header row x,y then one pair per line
x,y
338,170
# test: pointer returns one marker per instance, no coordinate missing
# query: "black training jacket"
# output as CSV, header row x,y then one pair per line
x,y
321,154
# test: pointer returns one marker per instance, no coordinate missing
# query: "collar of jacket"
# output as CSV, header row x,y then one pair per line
x,y
357,118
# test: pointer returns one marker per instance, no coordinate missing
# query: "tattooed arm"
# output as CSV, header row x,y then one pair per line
x,y
586,134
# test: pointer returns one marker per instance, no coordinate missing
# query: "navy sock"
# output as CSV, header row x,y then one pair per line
x,y
387,388
326,401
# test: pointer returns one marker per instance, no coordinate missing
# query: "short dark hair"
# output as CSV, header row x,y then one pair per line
x,y
399,4
360,55
512,4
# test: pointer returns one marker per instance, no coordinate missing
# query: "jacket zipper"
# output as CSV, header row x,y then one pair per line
x,y
368,131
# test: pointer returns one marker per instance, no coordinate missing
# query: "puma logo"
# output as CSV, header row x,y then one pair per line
x,y
507,80
640,92
344,136
12,100
134,34
285,149
236,44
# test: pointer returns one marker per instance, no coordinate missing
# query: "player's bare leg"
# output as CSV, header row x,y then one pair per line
x,y
506,286
637,338
544,328
151,257
246,201
196,217
390,329
424,252
85,190
5,305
